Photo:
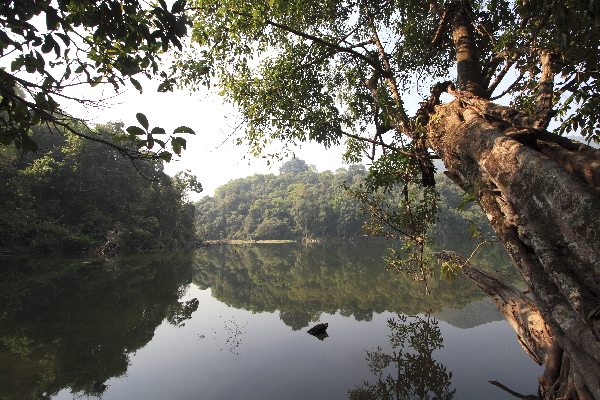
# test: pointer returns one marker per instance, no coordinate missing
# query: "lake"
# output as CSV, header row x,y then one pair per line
x,y
230,322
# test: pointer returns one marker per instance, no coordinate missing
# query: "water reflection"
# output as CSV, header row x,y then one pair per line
x,y
302,282
416,374
234,335
73,324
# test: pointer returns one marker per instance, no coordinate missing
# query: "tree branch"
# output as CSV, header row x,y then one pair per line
x,y
318,40
543,111
404,125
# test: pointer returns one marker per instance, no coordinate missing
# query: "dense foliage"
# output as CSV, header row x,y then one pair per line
x,y
301,203
298,203
75,195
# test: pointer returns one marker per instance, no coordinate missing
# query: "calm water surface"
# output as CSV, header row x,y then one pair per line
x,y
230,323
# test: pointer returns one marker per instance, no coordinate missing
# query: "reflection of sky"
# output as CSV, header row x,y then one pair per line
x,y
274,362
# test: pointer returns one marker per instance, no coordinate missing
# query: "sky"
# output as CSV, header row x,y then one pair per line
x,y
211,153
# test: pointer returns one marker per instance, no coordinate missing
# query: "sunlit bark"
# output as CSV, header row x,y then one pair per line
x,y
537,208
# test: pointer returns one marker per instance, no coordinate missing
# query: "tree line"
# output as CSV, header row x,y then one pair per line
x,y
301,203
80,195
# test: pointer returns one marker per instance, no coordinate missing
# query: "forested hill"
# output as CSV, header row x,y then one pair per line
x,y
80,195
303,203
297,203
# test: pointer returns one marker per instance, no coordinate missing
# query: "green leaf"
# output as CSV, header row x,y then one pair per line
x,y
142,120
51,19
178,143
35,119
28,144
17,63
178,7
66,39
184,129
165,155
176,147
450,270
594,313
97,80
48,44
136,84
30,64
135,131
41,62
158,131
467,198
150,141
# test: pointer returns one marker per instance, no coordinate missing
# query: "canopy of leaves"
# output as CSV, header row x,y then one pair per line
x,y
47,47
327,70
299,203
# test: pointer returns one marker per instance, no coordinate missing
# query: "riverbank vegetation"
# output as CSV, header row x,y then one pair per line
x,y
301,203
77,195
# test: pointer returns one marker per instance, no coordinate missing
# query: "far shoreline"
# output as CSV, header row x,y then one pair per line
x,y
223,242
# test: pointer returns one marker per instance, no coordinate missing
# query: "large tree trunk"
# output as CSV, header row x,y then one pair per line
x,y
540,194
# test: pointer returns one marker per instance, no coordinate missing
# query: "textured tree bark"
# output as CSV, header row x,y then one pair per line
x,y
519,310
467,63
536,207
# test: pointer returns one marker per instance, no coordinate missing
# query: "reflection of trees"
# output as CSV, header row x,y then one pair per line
x,y
417,374
68,324
302,281
298,320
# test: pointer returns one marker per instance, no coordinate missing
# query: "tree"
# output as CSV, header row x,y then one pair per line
x,y
332,71
419,375
53,46
76,194
294,166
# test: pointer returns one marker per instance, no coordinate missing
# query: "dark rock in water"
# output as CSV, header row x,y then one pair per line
x,y
318,329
